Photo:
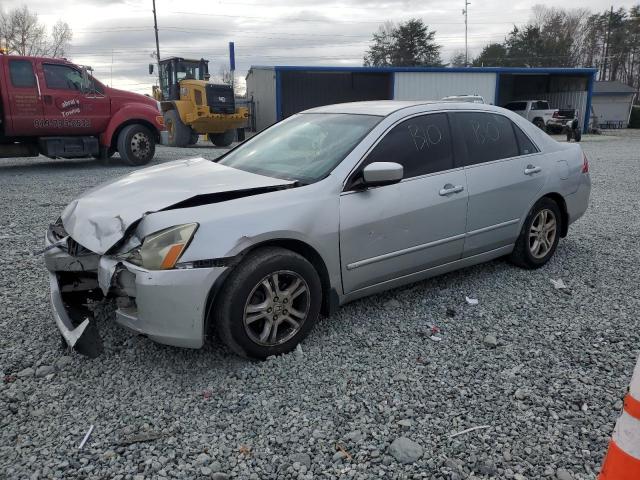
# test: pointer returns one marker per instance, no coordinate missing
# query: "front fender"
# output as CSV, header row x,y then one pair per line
x,y
129,114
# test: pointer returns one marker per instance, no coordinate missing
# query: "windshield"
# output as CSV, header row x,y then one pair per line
x,y
189,71
306,147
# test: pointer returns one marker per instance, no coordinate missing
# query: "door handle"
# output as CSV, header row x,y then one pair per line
x,y
530,170
448,189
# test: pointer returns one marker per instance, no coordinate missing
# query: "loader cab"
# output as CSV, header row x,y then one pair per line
x,y
175,69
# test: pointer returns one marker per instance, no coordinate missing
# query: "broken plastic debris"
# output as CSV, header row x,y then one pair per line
x,y
558,284
469,430
86,437
471,301
435,333
141,437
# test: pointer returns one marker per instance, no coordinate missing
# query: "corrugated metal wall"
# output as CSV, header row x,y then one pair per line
x,y
436,85
612,108
301,90
261,85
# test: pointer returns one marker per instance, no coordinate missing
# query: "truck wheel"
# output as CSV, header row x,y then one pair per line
x,y
136,145
577,134
194,138
179,133
538,122
222,139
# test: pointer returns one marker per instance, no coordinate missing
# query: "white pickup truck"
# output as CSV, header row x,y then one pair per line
x,y
536,111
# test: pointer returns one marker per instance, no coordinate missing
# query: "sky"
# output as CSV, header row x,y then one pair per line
x,y
116,37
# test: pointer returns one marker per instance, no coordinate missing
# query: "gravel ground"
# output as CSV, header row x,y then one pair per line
x,y
544,370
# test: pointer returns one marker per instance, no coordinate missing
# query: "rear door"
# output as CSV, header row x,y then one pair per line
x,y
505,171
395,230
25,101
67,109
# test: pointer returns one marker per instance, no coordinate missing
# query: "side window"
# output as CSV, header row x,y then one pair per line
x,y
421,145
62,77
21,73
516,106
540,105
487,136
526,146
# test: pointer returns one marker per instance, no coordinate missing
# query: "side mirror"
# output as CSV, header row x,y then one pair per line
x,y
151,69
382,173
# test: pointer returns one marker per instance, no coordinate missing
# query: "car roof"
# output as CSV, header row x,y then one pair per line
x,y
387,107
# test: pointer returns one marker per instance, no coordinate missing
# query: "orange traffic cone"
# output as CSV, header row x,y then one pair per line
x,y
623,458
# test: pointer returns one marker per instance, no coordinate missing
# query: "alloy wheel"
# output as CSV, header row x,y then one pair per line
x,y
542,233
276,308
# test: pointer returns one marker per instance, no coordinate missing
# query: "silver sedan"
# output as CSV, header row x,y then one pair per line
x,y
327,206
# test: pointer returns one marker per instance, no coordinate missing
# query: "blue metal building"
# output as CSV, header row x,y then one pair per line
x,y
281,91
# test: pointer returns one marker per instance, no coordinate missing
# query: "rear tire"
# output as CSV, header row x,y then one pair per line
x,y
254,317
194,138
577,134
539,237
538,122
222,139
136,145
179,134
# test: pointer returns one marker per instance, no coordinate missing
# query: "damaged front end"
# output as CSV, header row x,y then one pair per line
x,y
79,279
165,302
73,279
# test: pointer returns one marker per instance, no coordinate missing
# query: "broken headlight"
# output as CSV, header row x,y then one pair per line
x,y
161,250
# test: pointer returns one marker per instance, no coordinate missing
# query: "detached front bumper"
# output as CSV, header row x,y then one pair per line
x,y
168,306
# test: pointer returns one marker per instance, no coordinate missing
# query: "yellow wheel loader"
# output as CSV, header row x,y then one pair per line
x,y
192,106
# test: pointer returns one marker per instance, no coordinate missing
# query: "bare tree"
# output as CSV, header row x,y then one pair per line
x,y
61,36
22,34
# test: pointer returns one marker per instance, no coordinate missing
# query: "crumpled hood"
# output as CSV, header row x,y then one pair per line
x,y
100,217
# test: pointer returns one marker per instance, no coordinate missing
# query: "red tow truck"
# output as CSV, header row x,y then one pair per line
x,y
55,108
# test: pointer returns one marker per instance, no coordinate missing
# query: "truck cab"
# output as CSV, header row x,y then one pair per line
x,y
56,108
537,112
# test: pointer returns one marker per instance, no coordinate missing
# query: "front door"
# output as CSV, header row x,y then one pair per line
x,y
68,110
505,172
391,231
25,100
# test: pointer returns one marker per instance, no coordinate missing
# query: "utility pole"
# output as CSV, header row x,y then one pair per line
x,y
155,27
465,12
603,75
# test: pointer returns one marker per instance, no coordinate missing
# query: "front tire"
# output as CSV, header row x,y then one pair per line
x,y
540,235
195,136
222,139
179,134
269,303
136,145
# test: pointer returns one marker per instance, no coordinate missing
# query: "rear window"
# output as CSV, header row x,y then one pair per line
x,y
21,73
541,105
487,136
516,106
526,146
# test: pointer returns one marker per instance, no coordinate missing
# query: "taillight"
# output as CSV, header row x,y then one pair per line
x,y
585,163
556,114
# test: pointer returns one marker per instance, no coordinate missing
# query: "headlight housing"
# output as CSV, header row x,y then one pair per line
x,y
161,250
